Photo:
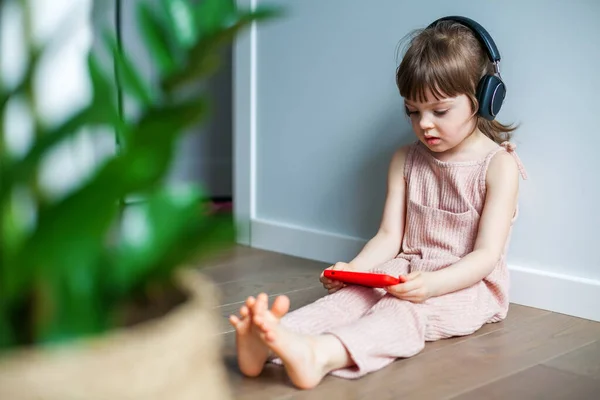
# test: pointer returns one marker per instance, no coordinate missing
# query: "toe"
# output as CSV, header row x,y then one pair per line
x,y
260,323
281,306
263,299
261,304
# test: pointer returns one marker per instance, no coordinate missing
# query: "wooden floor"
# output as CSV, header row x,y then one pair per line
x,y
533,354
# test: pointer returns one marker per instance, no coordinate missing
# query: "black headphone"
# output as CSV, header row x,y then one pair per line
x,y
491,90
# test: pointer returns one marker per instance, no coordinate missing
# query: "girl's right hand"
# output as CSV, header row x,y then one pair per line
x,y
331,285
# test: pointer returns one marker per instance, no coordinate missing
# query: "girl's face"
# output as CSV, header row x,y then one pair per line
x,y
441,124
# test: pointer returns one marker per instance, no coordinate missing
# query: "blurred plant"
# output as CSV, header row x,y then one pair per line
x,y
67,267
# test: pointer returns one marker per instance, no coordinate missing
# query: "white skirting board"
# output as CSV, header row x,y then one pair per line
x,y
529,287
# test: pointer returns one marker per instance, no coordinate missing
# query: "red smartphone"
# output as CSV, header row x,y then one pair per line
x,y
363,278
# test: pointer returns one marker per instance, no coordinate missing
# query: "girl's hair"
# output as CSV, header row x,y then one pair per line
x,y
448,60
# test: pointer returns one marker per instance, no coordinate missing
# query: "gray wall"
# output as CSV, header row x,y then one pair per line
x,y
329,117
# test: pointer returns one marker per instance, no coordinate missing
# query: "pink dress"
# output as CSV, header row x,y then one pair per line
x,y
444,204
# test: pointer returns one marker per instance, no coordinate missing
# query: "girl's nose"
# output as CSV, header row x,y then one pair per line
x,y
425,122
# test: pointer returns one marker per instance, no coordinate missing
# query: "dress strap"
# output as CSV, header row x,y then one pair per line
x,y
510,149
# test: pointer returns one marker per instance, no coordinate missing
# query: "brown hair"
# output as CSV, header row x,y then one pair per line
x,y
448,60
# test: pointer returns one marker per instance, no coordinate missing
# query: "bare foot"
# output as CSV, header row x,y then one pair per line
x,y
252,351
298,352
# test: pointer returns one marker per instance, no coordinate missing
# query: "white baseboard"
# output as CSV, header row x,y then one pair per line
x,y
564,294
303,242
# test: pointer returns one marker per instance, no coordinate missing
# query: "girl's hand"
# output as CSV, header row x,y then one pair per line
x,y
417,288
331,285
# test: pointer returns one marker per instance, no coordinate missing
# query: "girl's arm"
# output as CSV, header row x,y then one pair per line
x,y
385,245
502,183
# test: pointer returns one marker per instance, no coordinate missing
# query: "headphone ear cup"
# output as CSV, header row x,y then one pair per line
x,y
490,94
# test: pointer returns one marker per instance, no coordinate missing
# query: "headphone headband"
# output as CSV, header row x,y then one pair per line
x,y
482,35
490,90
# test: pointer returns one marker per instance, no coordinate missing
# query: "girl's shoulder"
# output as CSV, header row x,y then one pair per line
x,y
502,166
505,162
399,159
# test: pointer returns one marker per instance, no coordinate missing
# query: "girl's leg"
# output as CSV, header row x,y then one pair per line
x,y
396,328
392,329
463,312
345,305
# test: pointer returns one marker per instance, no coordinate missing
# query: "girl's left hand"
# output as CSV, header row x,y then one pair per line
x,y
417,288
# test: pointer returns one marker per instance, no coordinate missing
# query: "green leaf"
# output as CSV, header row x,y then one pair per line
x,y
204,56
100,112
15,227
70,234
160,234
129,76
214,14
182,21
68,277
149,229
163,123
71,305
202,238
23,169
5,169
81,301
5,95
104,109
156,37
86,213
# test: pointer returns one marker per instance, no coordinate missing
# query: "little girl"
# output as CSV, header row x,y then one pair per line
x,y
450,206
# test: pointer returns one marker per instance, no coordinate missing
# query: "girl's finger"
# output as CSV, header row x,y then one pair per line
x,y
413,293
415,299
413,296
408,286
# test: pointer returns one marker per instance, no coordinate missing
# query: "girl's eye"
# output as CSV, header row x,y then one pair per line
x,y
438,113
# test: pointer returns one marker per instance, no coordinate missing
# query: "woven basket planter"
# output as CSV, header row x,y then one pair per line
x,y
175,356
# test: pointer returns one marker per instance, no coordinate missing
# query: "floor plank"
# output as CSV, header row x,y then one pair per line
x,y
230,255
485,358
258,266
584,361
538,382
517,315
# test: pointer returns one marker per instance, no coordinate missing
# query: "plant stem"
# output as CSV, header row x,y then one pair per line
x,y
120,110
36,190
